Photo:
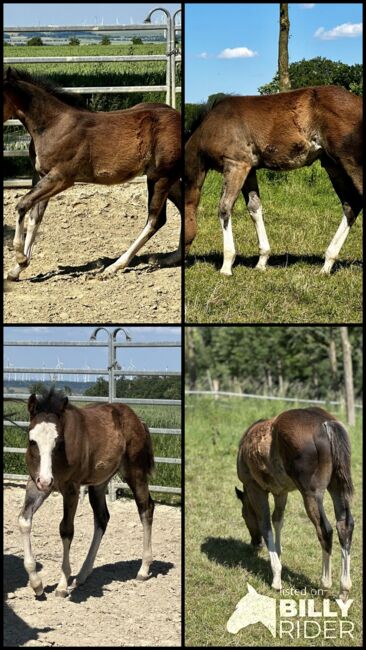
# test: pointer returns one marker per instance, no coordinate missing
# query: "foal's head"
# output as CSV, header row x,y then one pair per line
x,y
45,436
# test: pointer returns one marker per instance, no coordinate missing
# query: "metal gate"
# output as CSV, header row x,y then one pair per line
x,y
113,370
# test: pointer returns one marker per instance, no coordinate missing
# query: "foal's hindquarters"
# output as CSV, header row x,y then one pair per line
x,y
307,449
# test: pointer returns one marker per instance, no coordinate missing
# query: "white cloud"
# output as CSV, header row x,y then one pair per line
x,y
309,5
236,53
202,55
347,30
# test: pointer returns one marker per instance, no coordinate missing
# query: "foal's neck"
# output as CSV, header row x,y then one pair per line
x,y
36,108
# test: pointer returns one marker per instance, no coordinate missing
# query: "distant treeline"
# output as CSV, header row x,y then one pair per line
x,y
303,362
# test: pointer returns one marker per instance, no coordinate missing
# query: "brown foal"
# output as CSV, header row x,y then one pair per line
x,y
303,449
239,135
71,144
69,447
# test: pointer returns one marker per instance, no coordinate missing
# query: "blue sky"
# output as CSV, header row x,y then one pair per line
x,y
19,14
233,47
139,359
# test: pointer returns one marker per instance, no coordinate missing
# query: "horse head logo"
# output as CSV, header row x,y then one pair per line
x,y
253,608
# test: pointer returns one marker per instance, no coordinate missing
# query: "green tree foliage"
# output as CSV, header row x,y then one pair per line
x,y
137,41
74,41
140,387
319,72
35,40
288,361
105,41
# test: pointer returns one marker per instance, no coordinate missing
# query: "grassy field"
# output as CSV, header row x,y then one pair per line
x,y
168,446
302,214
218,559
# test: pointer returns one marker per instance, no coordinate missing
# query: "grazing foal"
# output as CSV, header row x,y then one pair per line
x,y
239,135
303,449
71,144
69,447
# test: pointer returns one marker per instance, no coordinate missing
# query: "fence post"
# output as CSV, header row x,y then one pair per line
x,y
169,25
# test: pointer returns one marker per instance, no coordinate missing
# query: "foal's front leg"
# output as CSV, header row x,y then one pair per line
x,y
234,177
50,185
33,500
70,496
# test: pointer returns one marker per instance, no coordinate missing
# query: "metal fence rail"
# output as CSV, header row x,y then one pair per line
x,y
171,58
112,371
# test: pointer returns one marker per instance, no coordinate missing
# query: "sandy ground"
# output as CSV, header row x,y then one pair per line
x,y
111,608
84,229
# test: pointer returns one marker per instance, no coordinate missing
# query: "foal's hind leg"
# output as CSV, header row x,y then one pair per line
x,y
33,500
344,529
157,195
175,195
137,481
234,176
101,517
351,200
254,205
314,507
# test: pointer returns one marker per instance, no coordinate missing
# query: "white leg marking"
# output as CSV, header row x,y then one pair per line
x,y
25,526
147,551
346,582
229,247
335,245
61,589
326,580
263,243
275,562
125,259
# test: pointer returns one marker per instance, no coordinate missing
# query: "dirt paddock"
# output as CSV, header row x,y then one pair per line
x,y
84,229
111,608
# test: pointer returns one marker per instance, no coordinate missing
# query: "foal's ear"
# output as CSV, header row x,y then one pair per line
x,y
239,493
32,403
64,403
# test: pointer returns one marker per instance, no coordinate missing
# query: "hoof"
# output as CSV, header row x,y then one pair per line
x,y
38,590
344,595
62,593
12,278
142,577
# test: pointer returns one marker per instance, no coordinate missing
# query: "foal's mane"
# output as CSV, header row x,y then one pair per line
x,y
14,75
51,401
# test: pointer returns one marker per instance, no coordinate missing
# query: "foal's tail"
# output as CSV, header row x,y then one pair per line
x,y
341,454
147,455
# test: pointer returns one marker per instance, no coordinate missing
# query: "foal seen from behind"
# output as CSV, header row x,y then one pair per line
x,y
69,447
238,135
303,449
71,144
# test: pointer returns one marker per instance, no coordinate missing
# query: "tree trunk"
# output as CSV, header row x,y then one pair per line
x,y
283,75
348,377
333,362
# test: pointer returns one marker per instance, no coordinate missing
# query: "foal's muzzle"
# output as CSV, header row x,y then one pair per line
x,y
43,484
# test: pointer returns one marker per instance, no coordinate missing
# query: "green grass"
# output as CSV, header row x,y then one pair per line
x,y
218,560
302,214
168,446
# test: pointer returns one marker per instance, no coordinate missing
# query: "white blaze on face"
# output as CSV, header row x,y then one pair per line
x,y
44,434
